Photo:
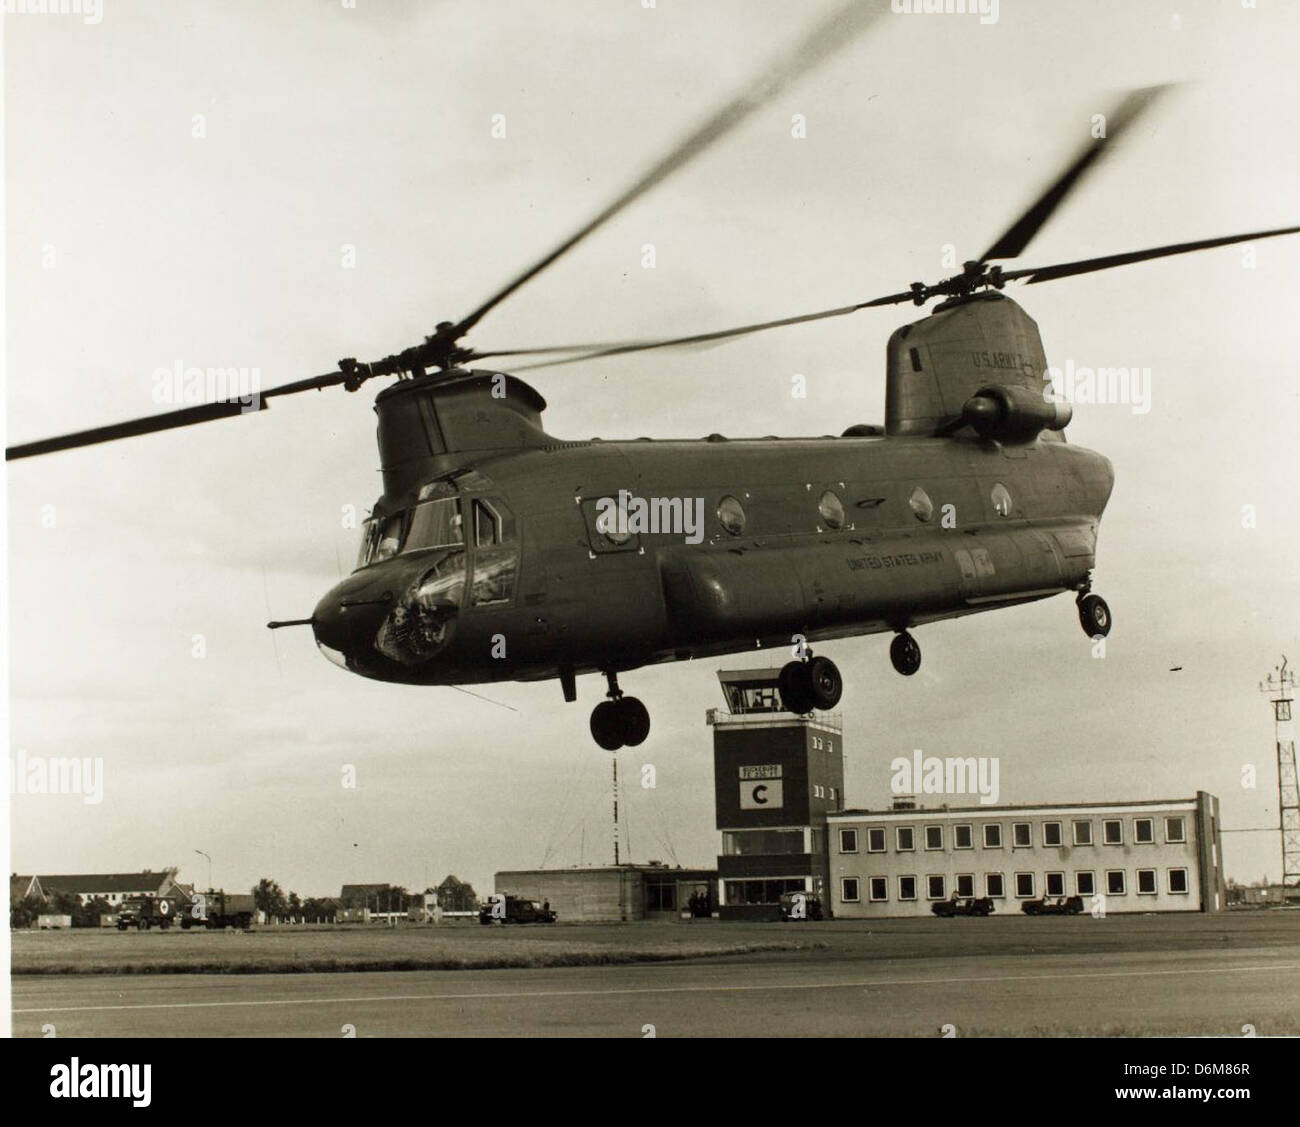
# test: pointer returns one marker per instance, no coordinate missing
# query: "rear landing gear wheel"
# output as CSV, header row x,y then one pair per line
x,y
1094,616
794,687
606,728
905,653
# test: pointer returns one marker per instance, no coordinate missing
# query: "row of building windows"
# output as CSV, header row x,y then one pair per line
x,y
1022,835
1025,885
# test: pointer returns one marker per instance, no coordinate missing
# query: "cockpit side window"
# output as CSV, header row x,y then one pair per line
x,y
496,553
435,524
493,524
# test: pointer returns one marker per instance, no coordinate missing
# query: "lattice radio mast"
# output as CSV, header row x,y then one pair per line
x,y
1279,686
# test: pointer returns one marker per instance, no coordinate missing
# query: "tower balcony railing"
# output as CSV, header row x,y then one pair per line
x,y
721,718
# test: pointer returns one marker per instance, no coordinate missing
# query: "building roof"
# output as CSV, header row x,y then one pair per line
x,y
20,887
353,890
96,884
924,811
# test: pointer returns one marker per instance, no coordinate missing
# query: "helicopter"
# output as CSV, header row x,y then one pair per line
x,y
499,552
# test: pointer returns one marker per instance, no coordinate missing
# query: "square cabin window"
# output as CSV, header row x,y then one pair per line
x,y
875,841
1022,835
1082,833
1175,831
1055,884
848,841
849,890
994,886
993,835
1085,883
1144,831
1178,882
965,884
878,887
907,888
963,837
1114,882
905,839
935,888
1024,886
1051,834
934,837
1146,879
1112,831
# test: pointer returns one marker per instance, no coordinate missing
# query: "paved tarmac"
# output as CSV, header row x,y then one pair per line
x,y
835,991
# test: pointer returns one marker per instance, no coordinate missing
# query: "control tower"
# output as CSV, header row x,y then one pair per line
x,y
776,776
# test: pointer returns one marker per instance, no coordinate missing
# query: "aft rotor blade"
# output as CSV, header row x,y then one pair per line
x,y
841,27
1016,237
1089,265
719,335
170,420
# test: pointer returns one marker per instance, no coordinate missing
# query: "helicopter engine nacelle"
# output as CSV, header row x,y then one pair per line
x,y
1013,414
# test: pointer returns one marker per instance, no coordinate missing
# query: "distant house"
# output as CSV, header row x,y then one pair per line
x,y
362,895
112,887
21,887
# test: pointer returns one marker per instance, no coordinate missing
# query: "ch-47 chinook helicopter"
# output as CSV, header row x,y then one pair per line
x,y
498,552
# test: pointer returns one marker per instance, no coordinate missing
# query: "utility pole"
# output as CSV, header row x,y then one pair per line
x,y
1279,686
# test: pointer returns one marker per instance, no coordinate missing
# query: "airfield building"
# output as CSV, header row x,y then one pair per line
x,y
1162,856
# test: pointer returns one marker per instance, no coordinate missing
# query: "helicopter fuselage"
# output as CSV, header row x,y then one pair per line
x,y
525,566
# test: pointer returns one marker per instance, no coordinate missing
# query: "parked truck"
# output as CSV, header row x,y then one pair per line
x,y
147,912
217,908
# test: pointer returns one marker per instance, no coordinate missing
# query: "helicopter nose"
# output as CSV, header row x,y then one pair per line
x,y
346,621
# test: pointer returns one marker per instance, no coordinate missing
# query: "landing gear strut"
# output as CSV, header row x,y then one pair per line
x,y
905,654
812,684
1094,615
619,721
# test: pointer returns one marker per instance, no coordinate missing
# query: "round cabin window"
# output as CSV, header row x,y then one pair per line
x,y
831,509
1001,500
921,504
611,523
731,515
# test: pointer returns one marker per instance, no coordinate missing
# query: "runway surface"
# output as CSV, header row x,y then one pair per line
x,y
839,991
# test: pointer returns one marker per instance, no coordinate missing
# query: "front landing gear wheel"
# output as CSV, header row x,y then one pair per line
x,y
794,687
635,721
905,653
812,684
1094,616
606,728
620,721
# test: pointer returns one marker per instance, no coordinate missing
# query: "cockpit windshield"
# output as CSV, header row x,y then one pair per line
x,y
432,524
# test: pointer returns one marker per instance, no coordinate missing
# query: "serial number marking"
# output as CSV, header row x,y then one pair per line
x,y
907,559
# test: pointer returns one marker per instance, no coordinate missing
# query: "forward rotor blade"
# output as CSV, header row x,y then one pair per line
x,y
169,420
843,25
719,335
1089,265
1016,237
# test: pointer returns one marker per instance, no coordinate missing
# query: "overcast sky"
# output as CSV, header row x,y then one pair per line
x,y
132,244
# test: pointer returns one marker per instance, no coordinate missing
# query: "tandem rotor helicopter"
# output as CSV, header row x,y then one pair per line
x,y
490,529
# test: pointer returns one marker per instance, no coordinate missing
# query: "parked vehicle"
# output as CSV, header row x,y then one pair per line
x,y
147,912
964,906
515,910
216,908
1053,906
800,906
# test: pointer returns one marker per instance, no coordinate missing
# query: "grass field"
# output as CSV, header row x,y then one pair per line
x,y
468,946
283,950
